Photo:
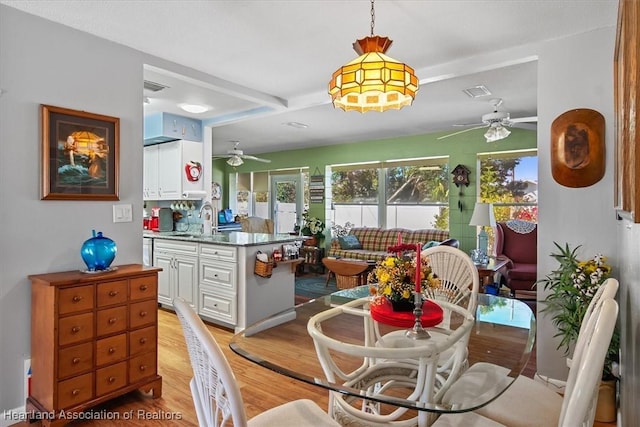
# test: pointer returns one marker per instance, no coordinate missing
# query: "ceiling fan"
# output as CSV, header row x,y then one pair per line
x,y
237,157
497,122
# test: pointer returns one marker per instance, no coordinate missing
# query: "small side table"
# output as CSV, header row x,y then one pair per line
x,y
487,271
312,260
349,272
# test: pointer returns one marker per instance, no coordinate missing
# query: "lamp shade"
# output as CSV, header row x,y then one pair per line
x,y
496,133
483,215
373,81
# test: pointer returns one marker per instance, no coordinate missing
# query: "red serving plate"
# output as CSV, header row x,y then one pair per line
x,y
382,311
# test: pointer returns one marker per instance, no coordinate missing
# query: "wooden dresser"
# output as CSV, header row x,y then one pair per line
x,y
93,337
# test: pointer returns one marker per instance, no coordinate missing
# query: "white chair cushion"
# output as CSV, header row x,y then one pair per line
x,y
302,412
525,403
465,419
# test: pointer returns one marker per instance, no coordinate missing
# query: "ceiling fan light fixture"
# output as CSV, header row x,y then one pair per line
x,y
496,132
235,161
373,81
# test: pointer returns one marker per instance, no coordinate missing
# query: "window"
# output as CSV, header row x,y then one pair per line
x,y
415,194
509,180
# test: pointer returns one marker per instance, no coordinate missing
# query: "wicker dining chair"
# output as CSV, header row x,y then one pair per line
x,y
214,389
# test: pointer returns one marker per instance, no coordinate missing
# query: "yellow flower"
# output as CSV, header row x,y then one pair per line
x,y
394,278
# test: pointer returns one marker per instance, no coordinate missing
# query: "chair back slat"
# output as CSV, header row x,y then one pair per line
x,y
215,391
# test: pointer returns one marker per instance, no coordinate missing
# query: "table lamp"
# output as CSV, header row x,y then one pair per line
x,y
483,216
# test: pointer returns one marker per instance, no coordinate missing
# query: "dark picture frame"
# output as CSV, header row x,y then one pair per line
x,y
80,155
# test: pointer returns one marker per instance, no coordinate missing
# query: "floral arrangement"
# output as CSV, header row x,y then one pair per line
x,y
572,286
395,277
312,226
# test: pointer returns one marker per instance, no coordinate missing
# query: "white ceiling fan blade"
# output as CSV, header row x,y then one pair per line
x,y
459,132
467,124
256,159
524,119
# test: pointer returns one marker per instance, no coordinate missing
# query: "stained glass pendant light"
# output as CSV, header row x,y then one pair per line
x,y
373,81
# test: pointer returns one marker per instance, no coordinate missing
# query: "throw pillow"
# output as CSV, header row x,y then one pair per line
x,y
349,242
430,244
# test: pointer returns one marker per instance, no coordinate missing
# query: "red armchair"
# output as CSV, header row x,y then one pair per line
x,y
521,248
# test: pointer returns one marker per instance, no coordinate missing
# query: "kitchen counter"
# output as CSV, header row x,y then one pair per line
x,y
234,238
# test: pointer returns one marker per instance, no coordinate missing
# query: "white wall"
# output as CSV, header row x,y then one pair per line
x,y
628,235
46,63
574,72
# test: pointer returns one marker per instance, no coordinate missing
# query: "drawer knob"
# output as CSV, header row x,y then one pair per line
x,y
113,293
142,367
143,287
215,275
75,329
113,320
76,298
75,392
143,313
112,350
143,340
75,360
111,379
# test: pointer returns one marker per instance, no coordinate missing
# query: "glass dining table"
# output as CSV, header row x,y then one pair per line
x,y
502,335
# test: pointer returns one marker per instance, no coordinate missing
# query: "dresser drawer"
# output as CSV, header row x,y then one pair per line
x,y
144,287
76,359
221,253
75,391
221,275
141,367
111,320
217,305
111,378
73,329
110,350
110,293
143,314
73,300
142,340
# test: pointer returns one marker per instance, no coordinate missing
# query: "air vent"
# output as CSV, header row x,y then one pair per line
x,y
477,91
153,86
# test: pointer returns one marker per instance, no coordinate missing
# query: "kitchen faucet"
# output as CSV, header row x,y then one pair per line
x,y
214,216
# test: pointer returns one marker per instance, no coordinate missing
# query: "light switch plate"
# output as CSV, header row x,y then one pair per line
x,y
122,213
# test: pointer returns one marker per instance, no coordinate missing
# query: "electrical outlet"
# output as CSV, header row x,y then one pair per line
x,y
122,213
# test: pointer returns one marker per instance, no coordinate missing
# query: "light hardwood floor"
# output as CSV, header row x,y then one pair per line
x,y
261,389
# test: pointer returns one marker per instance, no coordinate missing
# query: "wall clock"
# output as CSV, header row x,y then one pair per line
x,y
461,175
193,170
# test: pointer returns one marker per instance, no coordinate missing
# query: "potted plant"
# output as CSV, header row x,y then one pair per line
x,y
394,278
313,227
571,287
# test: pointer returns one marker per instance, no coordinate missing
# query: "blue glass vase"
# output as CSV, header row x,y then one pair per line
x,y
98,252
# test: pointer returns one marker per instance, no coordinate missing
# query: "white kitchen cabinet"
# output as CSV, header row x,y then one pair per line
x,y
218,283
165,170
179,275
164,127
150,173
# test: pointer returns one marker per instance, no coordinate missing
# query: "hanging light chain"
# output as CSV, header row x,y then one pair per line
x,y
373,17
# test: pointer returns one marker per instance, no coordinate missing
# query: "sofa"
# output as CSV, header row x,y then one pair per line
x,y
373,242
517,241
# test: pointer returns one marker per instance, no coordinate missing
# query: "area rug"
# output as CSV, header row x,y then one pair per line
x,y
314,286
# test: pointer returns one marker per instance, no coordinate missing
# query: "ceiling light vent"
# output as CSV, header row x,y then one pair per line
x,y
477,91
153,86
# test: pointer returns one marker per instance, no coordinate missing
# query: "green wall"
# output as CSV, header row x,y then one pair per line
x,y
461,149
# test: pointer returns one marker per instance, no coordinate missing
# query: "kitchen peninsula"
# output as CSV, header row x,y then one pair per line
x,y
215,274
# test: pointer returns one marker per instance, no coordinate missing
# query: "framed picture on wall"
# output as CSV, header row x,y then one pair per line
x,y
80,155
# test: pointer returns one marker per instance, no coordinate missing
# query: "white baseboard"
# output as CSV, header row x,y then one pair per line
x,y
6,418
556,385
